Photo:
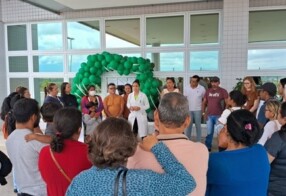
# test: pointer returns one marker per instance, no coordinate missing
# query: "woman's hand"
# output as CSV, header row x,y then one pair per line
x,y
148,142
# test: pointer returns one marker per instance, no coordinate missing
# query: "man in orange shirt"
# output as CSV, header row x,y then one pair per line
x,y
171,119
113,103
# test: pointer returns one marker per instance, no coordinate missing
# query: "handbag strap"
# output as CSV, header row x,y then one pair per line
x,y
59,167
116,183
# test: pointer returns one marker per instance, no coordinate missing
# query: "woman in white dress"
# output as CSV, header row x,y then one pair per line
x,y
138,104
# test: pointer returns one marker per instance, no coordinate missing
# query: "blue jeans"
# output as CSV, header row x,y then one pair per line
x,y
196,117
211,121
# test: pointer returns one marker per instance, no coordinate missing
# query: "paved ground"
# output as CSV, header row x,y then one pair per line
x,y
7,190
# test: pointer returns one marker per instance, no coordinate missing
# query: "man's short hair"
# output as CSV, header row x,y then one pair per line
x,y
196,77
24,109
173,110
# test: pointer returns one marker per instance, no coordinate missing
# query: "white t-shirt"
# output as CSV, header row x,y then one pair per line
x,y
223,118
195,97
24,157
270,127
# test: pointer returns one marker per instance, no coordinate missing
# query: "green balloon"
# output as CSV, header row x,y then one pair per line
x,y
114,64
92,78
97,80
142,67
153,91
86,68
135,68
79,76
141,60
155,83
147,85
92,70
82,65
143,77
126,72
91,58
146,91
76,80
120,71
127,65
134,60
117,57
100,57
104,63
85,81
99,72
81,71
108,58
86,74
97,64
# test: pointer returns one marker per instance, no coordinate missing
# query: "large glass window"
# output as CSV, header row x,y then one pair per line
x,y
17,37
167,61
47,36
18,63
48,64
40,84
165,31
122,33
15,82
266,59
204,60
83,35
267,26
204,29
74,61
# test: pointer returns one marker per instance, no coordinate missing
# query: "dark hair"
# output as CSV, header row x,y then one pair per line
x,y
238,98
91,104
137,82
67,121
49,88
283,82
173,109
48,111
173,80
196,77
111,84
21,91
24,109
283,115
112,143
243,127
63,88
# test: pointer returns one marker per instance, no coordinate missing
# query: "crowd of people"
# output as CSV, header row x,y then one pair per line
x,y
119,157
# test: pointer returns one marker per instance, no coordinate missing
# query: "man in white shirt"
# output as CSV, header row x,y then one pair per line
x,y
25,155
195,94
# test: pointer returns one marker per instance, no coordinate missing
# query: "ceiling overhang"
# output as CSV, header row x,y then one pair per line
x,y
97,4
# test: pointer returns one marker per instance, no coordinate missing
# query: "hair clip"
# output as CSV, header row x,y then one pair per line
x,y
248,126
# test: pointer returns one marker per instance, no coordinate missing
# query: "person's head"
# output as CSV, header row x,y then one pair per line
x,y
268,90
215,81
67,122
51,89
248,85
111,88
48,111
65,88
243,128
17,89
272,109
24,92
26,111
236,98
91,90
128,88
170,83
282,116
194,81
282,87
173,112
136,86
91,106
112,143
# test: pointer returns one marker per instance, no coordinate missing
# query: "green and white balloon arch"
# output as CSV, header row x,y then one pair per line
x,y
90,72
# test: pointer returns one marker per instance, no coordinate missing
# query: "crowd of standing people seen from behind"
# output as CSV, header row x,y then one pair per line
x,y
118,156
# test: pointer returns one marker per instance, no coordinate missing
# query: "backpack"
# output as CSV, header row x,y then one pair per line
x,y
6,105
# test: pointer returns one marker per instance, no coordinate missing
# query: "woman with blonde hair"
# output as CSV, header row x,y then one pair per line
x,y
249,90
273,125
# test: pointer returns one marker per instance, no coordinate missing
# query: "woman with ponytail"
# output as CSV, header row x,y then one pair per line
x,y
276,148
243,168
60,162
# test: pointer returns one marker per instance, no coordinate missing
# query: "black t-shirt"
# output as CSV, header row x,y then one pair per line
x,y
276,147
